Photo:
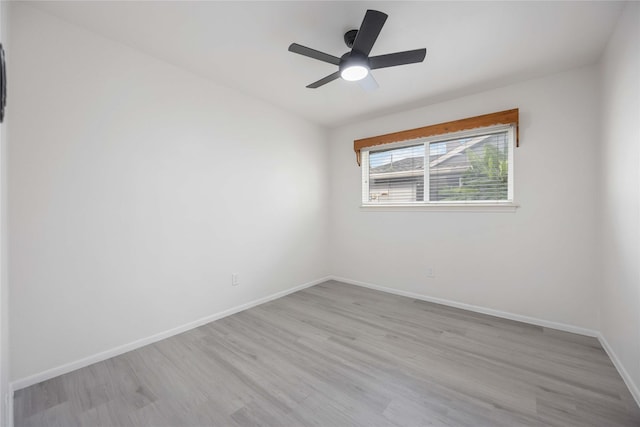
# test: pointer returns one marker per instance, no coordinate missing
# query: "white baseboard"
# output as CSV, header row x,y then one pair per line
x,y
633,388
60,370
72,366
475,308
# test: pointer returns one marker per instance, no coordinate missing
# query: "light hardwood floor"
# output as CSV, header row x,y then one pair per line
x,y
340,355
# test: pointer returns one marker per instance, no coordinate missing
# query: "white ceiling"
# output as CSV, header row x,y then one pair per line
x,y
471,46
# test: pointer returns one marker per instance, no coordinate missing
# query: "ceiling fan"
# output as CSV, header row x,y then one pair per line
x,y
356,65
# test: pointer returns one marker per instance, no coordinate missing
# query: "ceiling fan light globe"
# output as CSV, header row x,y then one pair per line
x,y
354,73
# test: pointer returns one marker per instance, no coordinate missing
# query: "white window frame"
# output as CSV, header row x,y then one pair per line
x,y
463,205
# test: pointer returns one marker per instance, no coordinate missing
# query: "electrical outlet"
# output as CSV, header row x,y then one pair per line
x,y
430,272
235,279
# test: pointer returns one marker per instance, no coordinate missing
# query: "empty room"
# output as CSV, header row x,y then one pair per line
x,y
224,214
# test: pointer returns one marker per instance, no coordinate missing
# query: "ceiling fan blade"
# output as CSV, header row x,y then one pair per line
x,y
369,30
398,58
324,81
315,54
369,83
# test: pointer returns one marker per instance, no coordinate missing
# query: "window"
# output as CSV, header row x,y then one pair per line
x,y
467,167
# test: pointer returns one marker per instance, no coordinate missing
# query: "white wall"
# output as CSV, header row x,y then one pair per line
x,y
539,262
620,296
136,189
6,402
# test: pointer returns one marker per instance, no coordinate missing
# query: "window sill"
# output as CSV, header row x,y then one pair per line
x,y
444,207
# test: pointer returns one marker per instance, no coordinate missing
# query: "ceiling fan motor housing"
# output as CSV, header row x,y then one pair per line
x,y
353,58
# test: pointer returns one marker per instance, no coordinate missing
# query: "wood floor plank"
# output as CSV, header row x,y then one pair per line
x,y
341,355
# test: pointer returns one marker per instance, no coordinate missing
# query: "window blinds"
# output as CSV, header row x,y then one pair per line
x,y
474,166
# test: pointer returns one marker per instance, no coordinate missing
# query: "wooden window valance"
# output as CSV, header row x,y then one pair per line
x,y
499,118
